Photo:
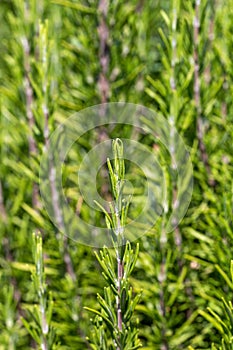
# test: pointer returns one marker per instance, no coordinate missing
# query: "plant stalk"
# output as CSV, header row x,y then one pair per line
x,y
120,269
103,32
31,120
197,93
52,173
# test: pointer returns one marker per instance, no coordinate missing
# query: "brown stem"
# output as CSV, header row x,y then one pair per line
x,y
207,72
140,5
31,120
55,198
120,271
2,206
103,32
119,278
196,59
52,181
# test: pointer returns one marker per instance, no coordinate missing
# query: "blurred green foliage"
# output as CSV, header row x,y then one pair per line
x,y
173,56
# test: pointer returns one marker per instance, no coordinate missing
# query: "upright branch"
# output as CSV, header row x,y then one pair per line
x,y
117,181
196,26
173,47
197,91
33,151
45,64
173,115
42,332
39,280
207,72
117,221
103,32
2,205
117,317
29,95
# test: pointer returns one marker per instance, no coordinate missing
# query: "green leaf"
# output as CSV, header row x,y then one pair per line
x,y
75,6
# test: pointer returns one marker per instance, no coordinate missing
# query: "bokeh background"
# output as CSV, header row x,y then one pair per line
x,y
175,57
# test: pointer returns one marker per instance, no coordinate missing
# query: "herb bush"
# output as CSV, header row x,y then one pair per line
x,y
58,57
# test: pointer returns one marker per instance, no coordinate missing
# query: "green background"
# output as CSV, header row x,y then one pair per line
x,y
175,57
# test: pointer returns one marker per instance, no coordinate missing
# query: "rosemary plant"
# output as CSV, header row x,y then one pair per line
x,y
223,322
39,326
118,304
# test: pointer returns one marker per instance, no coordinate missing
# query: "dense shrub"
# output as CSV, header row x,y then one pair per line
x,y
60,56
